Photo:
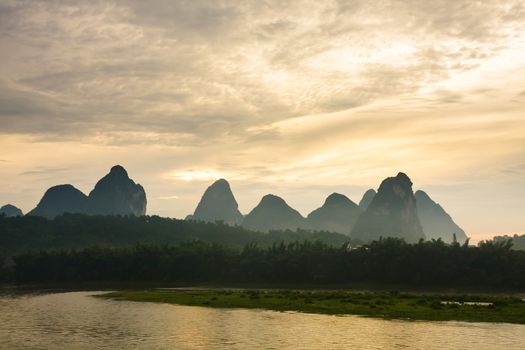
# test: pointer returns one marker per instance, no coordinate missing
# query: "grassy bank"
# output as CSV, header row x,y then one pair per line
x,y
390,305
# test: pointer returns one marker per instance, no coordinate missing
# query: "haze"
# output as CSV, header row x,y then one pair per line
x,y
299,100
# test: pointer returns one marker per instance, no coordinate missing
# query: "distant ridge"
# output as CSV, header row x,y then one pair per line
x,y
273,213
59,200
368,196
337,214
393,211
436,222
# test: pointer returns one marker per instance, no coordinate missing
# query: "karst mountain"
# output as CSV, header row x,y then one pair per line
x,y
337,214
61,199
10,211
367,199
218,204
392,213
436,222
114,194
117,194
273,213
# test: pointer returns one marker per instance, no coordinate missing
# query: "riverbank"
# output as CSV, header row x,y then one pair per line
x,y
389,305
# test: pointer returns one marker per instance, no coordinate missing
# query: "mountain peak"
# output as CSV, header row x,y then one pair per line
x,y
10,210
117,194
400,181
336,198
118,170
61,199
392,213
338,214
273,213
271,199
218,204
403,177
220,185
221,182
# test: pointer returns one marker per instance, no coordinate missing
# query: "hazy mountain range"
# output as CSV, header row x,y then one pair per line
x,y
393,211
114,194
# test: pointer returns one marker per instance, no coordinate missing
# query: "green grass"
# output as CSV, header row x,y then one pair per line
x,y
389,305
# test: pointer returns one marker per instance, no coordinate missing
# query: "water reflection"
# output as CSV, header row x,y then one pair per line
x,y
77,320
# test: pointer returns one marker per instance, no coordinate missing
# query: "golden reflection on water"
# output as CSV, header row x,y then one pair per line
x,y
78,321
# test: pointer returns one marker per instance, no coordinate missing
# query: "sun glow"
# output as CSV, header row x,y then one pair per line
x,y
198,175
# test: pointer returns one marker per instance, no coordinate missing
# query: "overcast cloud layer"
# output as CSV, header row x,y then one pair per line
x,y
299,99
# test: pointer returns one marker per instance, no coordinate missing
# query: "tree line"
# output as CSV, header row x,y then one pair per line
x,y
77,231
518,242
386,261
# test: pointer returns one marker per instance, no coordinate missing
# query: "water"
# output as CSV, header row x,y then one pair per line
x,y
76,320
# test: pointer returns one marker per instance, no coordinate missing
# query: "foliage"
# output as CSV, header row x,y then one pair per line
x,y
518,242
387,261
77,231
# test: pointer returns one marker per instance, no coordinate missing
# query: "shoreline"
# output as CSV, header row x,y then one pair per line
x,y
218,285
385,305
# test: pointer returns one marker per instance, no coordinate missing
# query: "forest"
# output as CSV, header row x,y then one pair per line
x,y
75,247
386,261
76,231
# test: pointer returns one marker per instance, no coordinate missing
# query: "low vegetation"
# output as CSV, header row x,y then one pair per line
x,y
394,305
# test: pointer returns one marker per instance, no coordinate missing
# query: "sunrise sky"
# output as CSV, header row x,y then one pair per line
x,y
299,100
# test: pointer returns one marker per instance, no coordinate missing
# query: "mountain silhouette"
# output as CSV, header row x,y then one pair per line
x,y
117,194
59,200
367,199
338,214
10,210
218,204
392,213
114,194
436,222
272,213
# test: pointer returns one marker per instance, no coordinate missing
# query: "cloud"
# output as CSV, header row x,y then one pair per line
x,y
38,171
211,69
183,19
168,197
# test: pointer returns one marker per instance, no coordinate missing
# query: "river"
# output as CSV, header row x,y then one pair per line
x,y
77,320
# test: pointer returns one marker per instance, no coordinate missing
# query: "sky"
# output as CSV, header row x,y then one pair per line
x,y
298,98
